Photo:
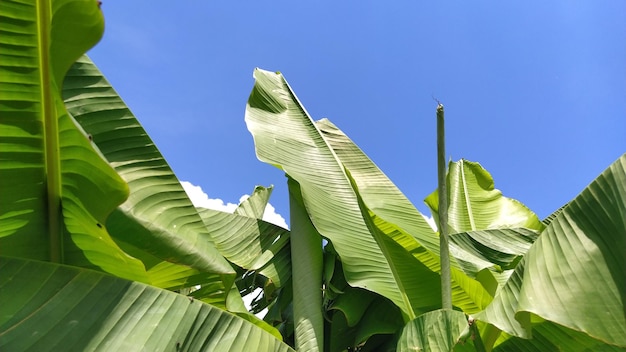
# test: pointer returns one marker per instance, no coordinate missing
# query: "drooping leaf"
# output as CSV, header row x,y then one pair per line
x,y
382,318
353,303
66,308
499,249
419,287
474,203
57,191
158,217
403,222
575,273
246,241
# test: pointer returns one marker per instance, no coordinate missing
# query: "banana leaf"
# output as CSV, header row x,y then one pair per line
x,y
66,308
286,137
57,190
574,275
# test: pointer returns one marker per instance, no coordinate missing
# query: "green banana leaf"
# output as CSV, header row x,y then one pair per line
x,y
254,206
498,250
574,275
57,191
548,336
246,241
158,224
409,226
71,309
356,318
439,330
255,247
361,315
158,216
53,157
489,232
474,203
286,137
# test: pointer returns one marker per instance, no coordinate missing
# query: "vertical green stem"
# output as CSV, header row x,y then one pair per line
x,y
307,264
446,291
51,134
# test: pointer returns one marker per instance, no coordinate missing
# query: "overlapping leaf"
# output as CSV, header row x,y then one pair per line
x,y
575,273
285,136
474,203
403,222
490,232
316,155
158,219
497,249
57,191
248,242
80,310
438,330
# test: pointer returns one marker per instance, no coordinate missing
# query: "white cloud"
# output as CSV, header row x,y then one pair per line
x,y
202,200
431,221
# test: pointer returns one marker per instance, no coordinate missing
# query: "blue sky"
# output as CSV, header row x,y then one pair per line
x,y
536,94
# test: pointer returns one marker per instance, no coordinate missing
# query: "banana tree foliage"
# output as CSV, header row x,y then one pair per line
x,y
381,246
95,230
98,239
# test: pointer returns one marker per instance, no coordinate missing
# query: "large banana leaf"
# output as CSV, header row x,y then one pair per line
x,y
57,191
319,156
404,222
158,216
157,224
49,158
71,309
575,273
285,136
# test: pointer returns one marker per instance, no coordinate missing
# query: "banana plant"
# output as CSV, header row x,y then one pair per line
x,y
97,237
385,247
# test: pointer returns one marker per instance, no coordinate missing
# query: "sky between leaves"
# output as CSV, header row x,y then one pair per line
x,y
534,92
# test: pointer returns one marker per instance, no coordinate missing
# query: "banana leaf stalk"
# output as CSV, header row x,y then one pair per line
x,y
446,291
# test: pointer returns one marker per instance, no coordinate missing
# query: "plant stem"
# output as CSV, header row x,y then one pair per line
x,y
307,266
446,291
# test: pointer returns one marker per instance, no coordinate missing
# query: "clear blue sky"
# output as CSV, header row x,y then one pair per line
x,y
534,92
